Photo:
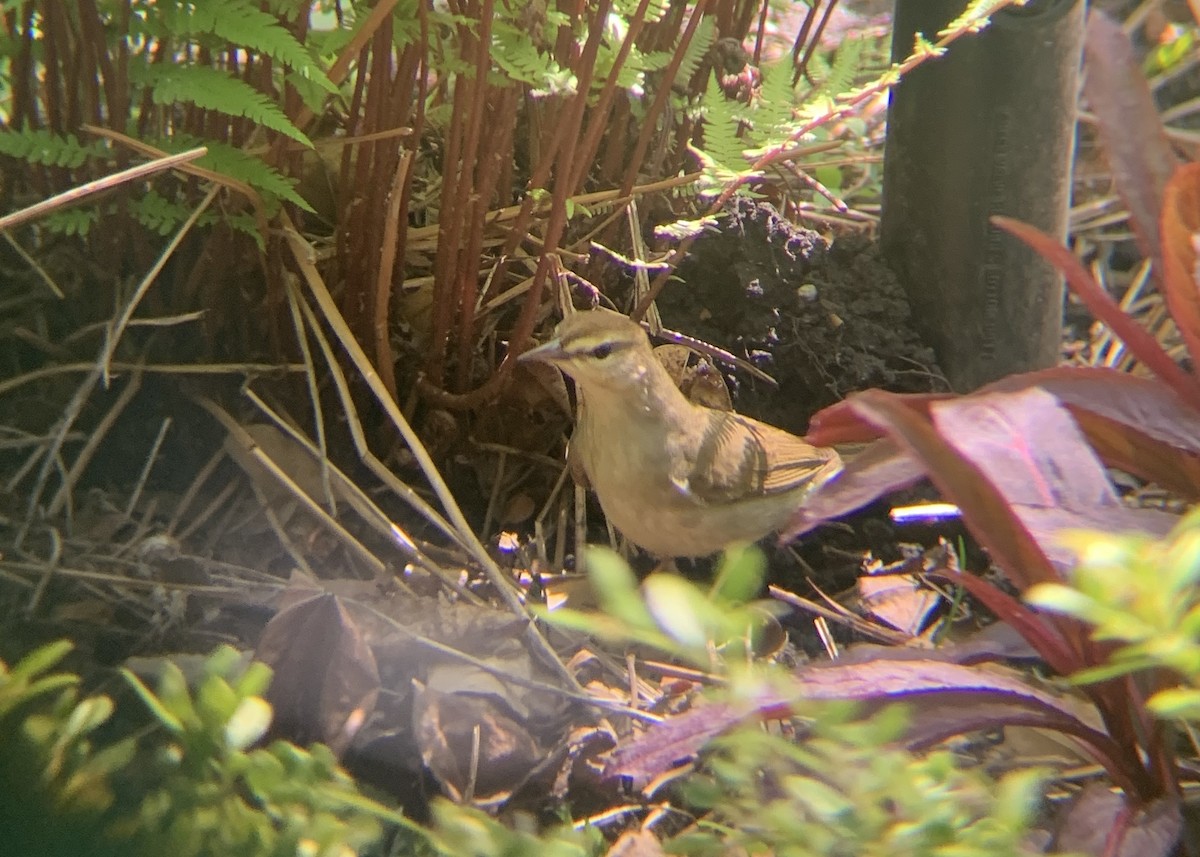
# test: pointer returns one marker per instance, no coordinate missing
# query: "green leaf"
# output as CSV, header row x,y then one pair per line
x,y
248,723
38,661
160,712
214,89
681,610
45,147
248,168
1177,703
616,587
242,22
739,576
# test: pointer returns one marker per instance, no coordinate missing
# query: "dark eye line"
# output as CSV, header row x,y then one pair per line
x,y
602,350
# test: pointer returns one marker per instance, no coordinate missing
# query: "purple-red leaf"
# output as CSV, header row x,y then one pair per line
x,y
1130,129
840,423
962,482
1136,424
1144,404
1140,403
1042,635
1136,338
946,699
879,469
1020,470
1030,448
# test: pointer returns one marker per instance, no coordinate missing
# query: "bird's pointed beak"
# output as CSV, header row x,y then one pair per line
x,y
549,352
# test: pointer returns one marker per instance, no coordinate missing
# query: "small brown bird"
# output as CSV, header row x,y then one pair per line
x,y
676,478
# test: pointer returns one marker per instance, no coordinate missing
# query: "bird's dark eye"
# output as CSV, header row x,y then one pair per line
x,y
602,350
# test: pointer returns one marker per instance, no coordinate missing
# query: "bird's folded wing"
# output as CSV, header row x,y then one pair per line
x,y
738,457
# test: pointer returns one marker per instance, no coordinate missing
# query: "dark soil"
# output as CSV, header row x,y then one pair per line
x,y
823,319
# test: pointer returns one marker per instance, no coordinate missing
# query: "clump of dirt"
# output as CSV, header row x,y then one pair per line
x,y
823,319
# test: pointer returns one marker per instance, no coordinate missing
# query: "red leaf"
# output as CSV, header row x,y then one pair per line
x,y
984,508
1029,448
1144,346
946,698
879,469
840,423
1141,403
1180,225
1037,631
1128,449
1136,424
1132,133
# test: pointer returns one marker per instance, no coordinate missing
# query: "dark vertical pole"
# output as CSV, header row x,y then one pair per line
x,y
987,129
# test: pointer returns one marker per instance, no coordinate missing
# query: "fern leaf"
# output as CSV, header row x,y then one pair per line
x,y
157,213
697,49
241,22
48,148
213,89
847,64
654,11
71,221
516,54
722,144
244,167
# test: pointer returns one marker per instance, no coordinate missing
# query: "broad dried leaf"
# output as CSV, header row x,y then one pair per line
x,y
479,753
1180,233
901,600
326,682
636,843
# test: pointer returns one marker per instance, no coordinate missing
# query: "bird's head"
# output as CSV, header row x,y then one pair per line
x,y
602,350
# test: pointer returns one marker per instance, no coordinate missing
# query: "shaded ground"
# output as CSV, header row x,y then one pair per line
x,y
183,573
822,320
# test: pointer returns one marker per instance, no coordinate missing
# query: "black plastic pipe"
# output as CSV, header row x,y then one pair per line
x,y
987,129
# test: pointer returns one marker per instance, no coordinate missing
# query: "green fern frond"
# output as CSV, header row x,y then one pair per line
x,y
702,40
163,216
157,213
654,12
722,142
243,23
515,53
45,147
652,61
244,167
846,68
213,89
71,221
772,109
244,222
